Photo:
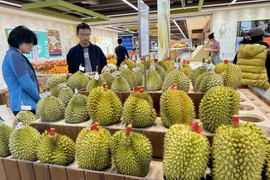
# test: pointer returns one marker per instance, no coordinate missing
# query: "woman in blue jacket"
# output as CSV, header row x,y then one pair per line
x,y
18,72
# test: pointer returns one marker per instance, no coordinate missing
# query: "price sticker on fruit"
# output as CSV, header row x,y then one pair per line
x,y
63,85
81,68
136,69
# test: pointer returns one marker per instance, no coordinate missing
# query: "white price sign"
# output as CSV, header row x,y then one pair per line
x,y
152,66
19,126
116,73
81,68
136,69
63,85
26,108
96,76
124,66
46,94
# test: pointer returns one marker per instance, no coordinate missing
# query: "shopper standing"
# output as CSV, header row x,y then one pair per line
x,y
121,52
18,72
85,53
253,58
214,49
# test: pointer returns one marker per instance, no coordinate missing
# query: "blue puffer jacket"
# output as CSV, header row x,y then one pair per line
x,y
21,80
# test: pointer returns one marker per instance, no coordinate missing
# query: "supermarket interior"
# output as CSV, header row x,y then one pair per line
x,y
134,89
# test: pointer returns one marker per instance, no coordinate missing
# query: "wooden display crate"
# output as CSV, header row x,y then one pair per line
x,y
13,169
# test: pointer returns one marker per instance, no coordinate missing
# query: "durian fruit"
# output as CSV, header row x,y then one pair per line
x,y
26,117
109,68
139,77
138,109
186,153
166,64
153,80
56,149
131,153
206,81
161,71
148,63
93,83
129,76
53,83
104,106
232,76
23,143
78,80
267,166
218,106
196,73
92,148
77,111
220,67
175,76
186,69
120,84
239,152
65,95
51,109
176,107
108,78
5,132
141,66
38,109
130,63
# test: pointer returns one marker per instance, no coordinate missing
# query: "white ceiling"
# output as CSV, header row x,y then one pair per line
x,y
197,22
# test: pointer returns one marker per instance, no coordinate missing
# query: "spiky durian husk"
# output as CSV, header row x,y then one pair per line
x,y
239,153
186,153
131,153
218,106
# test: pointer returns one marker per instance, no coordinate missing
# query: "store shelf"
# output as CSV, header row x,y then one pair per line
x,y
13,169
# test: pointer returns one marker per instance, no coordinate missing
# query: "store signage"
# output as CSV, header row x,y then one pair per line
x,y
143,28
163,29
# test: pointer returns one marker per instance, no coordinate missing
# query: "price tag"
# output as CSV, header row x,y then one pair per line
x,y
96,76
206,65
76,91
176,65
136,69
116,73
81,68
91,76
19,126
63,85
153,66
46,94
26,108
124,66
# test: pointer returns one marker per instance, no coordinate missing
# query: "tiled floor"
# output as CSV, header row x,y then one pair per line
x,y
6,114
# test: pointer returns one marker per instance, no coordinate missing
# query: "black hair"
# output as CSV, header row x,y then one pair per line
x,y
251,40
211,36
119,41
21,34
82,26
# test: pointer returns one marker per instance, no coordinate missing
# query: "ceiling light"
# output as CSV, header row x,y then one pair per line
x,y
179,29
9,3
189,1
233,1
131,5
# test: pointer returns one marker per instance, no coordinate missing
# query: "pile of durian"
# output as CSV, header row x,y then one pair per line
x,y
239,151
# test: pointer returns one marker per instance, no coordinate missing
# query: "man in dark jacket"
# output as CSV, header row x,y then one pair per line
x,y
121,52
85,53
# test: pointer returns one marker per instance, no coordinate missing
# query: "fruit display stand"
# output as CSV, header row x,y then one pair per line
x,y
252,109
13,169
